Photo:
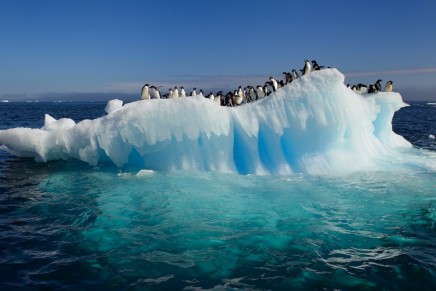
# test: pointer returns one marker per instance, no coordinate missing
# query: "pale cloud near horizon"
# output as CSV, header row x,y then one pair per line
x,y
391,72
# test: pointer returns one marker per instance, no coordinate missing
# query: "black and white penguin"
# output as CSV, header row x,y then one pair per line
x,y
389,86
210,96
145,94
201,93
253,93
354,88
307,67
219,98
241,92
371,89
170,93
315,66
182,92
287,77
194,92
176,92
377,86
260,92
362,89
155,91
228,99
295,75
266,89
273,84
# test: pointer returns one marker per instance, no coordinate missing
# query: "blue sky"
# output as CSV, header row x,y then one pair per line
x,y
113,47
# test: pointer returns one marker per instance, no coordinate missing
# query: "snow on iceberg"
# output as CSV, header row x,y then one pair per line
x,y
314,125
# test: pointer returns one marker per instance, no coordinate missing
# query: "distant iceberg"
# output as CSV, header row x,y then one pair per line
x,y
315,125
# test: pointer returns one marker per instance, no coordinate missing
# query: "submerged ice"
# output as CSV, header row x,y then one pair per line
x,y
314,125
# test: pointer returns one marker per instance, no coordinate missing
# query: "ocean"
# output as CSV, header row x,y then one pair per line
x,y
69,225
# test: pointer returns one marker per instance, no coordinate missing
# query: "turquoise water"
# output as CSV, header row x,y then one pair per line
x,y
67,225
72,225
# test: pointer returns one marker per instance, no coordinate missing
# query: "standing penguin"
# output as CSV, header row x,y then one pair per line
x,y
145,94
315,66
175,92
307,67
377,86
241,93
155,91
259,92
295,75
170,93
194,92
266,89
274,84
218,97
389,86
182,92
288,77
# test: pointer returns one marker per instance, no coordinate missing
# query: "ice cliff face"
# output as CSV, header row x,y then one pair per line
x,y
314,125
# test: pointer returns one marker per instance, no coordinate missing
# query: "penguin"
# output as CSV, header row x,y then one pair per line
x,y
315,66
274,84
259,91
176,92
362,89
238,96
246,95
170,93
306,69
266,90
201,93
145,94
371,89
295,75
270,87
228,101
194,92
288,77
252,93
155,91
241,93
280,84
210,96
218,97
377,86
389,86
182,92
354,88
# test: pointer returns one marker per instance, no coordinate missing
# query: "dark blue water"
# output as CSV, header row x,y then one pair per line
x,y
66,225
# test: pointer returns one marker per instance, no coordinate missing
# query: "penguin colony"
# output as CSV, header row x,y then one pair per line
x,y
372,88
249,93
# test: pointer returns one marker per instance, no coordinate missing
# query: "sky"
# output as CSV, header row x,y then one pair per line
x,y
68,49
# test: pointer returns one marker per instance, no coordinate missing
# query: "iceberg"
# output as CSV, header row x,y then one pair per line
x,y
314,125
